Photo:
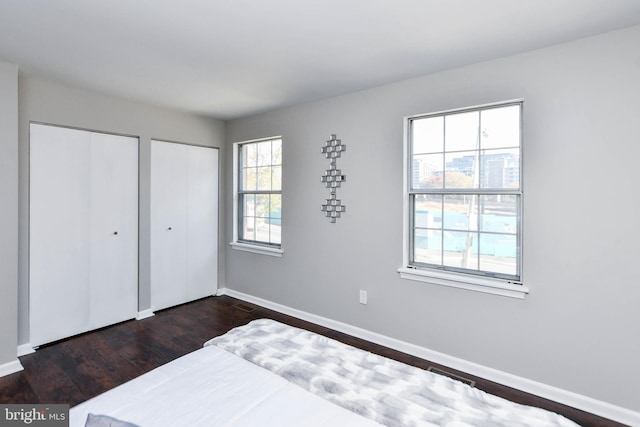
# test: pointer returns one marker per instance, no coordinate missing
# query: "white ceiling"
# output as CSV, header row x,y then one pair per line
x,y
232,58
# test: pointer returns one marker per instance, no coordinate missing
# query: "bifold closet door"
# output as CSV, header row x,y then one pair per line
x,y
83,231
59,223
184,223
168,224
114,229
202,218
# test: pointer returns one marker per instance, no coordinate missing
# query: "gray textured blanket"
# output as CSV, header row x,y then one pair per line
x,y
381,389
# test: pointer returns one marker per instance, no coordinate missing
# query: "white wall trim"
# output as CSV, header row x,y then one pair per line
x,y
257,249
588,404
466,281
24,349
10,368
144,314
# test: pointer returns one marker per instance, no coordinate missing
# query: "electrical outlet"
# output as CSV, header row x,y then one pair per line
x,y
363,297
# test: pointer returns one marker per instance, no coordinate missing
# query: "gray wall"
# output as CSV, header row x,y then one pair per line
x,y
578,328
42,100
8,211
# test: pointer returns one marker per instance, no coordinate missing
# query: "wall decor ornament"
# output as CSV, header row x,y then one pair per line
x,y
333,178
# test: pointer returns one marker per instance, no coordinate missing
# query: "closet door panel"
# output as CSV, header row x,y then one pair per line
x,y
59,245
168,224
202,262
114,229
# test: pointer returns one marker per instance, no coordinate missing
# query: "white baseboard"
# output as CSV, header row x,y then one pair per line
x,y
24,349
10,368
575,400
145,314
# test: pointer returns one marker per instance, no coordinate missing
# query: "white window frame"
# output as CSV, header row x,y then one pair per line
x,y
485,284
253,247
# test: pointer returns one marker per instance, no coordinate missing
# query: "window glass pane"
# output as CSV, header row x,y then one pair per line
x,y
262,205
276,178
249,228
274,233
461,170
461,131
427,171
427,246
499,213
264,153
275,206
428,218
427,135
276,152
498,253
461,249
249,155
501,168
264,178
428,210
262,230
460,212
249,205
500,127
249,179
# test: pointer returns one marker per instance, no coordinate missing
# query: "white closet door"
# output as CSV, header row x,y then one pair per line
x,y
59,245
114,229
83,190
169,163
202,262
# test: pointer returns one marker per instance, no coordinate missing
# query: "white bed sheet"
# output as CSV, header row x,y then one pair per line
x,y
211,387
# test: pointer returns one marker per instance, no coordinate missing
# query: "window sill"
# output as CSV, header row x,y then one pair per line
x,y
257,249
478,284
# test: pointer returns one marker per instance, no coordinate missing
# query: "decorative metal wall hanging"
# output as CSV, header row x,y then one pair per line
x,y
333,178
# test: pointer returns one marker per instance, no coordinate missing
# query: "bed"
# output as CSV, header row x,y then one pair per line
x,y
266,373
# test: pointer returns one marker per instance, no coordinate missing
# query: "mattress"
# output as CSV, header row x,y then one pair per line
x,y
212,387
266,373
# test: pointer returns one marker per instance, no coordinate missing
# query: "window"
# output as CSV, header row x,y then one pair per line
x,y
258,196
464,196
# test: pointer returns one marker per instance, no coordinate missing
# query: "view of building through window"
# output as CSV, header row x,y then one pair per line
x,y
465,191
260,192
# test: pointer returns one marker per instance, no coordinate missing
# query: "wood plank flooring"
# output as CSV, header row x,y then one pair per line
x,y
78,368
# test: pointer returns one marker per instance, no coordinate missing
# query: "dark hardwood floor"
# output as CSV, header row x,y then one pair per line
x,y
78,368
